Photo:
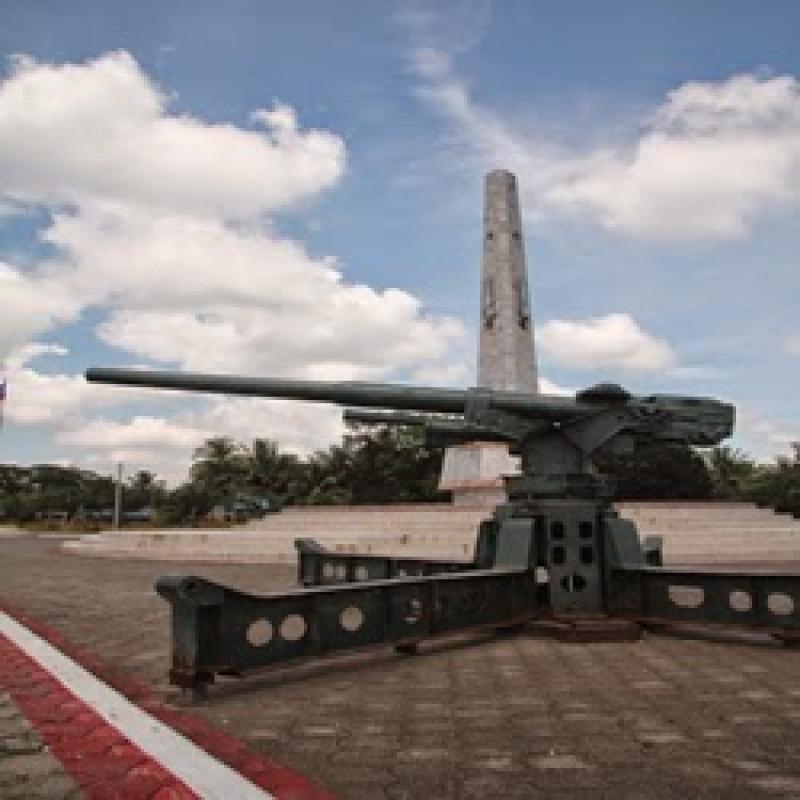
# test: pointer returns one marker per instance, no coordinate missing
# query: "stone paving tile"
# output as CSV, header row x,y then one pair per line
x,y
28,771
512,717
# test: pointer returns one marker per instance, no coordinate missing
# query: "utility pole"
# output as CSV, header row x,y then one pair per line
x,y
118,497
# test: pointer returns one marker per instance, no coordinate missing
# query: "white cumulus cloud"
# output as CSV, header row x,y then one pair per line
x,y
158,223
213,296
53,399
180,280
706,162
164,443
765,437
139,432
712,157
614,341
104,131
30,306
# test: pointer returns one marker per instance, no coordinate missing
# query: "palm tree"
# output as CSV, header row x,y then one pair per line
x,y
731,471
220,467
272,472
144,489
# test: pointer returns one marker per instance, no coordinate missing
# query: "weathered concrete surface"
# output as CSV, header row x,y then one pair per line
x,y
500,717
506,357
693,533
474,473
28,771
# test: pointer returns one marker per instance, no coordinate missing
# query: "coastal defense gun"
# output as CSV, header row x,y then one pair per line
x,y
556,551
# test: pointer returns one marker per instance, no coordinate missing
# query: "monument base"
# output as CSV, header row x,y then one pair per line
x,y
473,473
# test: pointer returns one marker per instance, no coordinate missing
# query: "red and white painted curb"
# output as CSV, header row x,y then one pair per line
x,y
121,741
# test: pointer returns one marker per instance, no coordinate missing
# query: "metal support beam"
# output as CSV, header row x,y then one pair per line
x,y
765,600
216,629
317,566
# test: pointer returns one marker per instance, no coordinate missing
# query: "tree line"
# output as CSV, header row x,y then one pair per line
x,y
661,471
371,465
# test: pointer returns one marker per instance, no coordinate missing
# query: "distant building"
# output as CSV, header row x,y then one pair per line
x,y
243,508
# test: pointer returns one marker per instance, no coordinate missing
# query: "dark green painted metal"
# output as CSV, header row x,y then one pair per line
x,y
375,395
758,599
693,419
217,629
316,566
556,548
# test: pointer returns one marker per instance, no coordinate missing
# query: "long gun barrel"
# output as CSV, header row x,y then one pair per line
x,y
364,395
606,408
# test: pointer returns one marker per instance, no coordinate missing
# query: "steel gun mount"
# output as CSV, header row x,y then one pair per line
x,y
555,552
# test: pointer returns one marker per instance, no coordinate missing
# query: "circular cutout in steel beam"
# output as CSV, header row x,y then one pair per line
x,y
259,633
293,628
739,600
780,603
351,619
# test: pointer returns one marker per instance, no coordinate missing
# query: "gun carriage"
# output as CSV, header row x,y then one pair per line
x,y
556,551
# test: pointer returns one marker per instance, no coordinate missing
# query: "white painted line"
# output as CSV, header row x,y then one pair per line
x,y
202,773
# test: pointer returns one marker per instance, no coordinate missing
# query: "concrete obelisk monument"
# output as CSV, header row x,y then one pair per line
x,y
506,360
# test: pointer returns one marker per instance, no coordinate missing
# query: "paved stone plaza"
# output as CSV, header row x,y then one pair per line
x,y
511,717
27,768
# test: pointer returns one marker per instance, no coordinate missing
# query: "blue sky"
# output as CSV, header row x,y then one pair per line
x,y
148,216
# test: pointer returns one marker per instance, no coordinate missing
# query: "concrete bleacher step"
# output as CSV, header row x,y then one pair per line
x,y
700,533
